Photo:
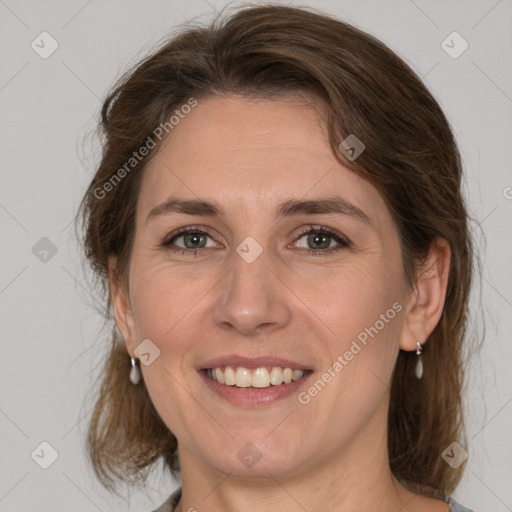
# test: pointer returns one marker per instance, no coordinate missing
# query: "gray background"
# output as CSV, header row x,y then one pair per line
x,y
51,336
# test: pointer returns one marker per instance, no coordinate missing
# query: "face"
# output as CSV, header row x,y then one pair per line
x,y
276,278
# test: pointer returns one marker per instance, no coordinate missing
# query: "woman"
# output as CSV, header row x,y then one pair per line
x,y
278,223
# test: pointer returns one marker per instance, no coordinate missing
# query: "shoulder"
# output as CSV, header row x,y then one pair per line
x,y
170,503
456,507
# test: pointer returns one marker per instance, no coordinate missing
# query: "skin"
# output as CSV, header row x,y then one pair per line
x,y
331,454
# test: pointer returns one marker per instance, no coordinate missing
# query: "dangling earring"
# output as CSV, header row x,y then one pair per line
x,y
419,364
134,372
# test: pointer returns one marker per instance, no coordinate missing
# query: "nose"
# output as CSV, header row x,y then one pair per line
x,y
252,299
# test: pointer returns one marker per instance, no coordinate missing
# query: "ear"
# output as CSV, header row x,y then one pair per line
x,y
122,307
427,301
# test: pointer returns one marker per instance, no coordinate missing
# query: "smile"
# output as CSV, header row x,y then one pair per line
x,y
263,377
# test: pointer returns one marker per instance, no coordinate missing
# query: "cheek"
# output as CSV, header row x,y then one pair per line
x,y
167,306
162,299
351,297
363,308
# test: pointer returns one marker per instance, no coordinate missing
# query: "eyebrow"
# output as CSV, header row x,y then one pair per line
x,y
197,207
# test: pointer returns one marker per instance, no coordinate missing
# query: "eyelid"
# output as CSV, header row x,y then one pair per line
x,y
328,231
342,241
185,230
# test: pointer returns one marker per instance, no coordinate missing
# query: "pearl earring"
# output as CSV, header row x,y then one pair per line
x,y
419,364
134,372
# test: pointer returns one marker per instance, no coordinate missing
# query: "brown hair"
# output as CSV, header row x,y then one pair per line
x,y
411,157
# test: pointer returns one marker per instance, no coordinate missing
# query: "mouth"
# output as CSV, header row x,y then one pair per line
x,y
260,378
257,381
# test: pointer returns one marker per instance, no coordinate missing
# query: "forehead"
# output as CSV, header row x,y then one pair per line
x,y
249,153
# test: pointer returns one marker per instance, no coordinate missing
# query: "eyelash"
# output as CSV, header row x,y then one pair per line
x,y
343,241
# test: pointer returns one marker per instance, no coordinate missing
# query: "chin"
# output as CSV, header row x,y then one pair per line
x,y
261,458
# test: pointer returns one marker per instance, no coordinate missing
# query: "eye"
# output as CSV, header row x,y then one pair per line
x,y
193,239
320,238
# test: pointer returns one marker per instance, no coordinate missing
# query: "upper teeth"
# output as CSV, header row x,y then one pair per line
x,y
257,378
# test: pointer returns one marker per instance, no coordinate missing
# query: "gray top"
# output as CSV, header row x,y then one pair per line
x,y
171,502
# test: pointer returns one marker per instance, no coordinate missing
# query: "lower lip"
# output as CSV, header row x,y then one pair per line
x,y
250,397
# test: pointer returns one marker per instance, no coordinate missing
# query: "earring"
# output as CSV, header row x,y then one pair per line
x,y
419,364
134,372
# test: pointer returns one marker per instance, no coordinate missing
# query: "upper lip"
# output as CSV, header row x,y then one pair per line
x,y
252,362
